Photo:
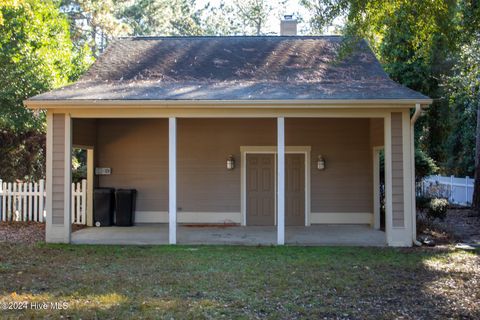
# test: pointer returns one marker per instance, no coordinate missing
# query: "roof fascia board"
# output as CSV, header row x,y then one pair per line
x,y
366,103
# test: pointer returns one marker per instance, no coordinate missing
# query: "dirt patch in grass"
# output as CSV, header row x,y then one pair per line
x,y
22,232
205,282
460,225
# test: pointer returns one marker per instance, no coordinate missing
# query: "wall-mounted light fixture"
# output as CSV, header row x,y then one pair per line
x,y
230,162
320,162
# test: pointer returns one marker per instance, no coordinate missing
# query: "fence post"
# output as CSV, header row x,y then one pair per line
x,y
35,196
9,204
451,188
17,203
30,201
78,198
72,203
3,213
41,199
2,193
466,190
84,201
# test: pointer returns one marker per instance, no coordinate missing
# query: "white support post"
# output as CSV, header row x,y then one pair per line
x,y
90,184
49,179
281,181
388,177
172,180
67,216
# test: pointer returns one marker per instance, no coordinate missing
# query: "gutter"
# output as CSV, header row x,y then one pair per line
x,y
415,116
192,104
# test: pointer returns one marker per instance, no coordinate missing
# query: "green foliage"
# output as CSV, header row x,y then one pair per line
x,y
36,55
437,209
463,91
422,202
79,165
160,17
419,44
22,155
93,22
424,165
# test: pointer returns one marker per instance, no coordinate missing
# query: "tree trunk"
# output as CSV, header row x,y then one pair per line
x,y
476,188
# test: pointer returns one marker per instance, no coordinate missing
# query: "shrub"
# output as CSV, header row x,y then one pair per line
x,y
437,209
423,202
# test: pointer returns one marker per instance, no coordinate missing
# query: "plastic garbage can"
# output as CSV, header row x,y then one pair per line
x,y
125,207
103,206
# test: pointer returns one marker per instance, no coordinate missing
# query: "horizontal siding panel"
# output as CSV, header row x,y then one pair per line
x,y
58,220
203,145
397,170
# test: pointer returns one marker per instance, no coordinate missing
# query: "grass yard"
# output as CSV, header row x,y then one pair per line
x,y
240,282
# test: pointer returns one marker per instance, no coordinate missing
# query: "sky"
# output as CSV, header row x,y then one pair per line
x,y
273,23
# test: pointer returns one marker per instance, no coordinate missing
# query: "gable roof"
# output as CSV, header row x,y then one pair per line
x,y
233,69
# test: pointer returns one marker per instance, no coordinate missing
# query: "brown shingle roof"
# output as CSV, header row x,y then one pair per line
x,y
233,68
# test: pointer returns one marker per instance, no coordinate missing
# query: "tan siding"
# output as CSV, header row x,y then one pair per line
x,y
137,152
397,171
84,132
346,184
376,132
58,165
204,183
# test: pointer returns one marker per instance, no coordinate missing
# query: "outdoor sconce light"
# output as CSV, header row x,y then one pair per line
x,y
320,163
230,162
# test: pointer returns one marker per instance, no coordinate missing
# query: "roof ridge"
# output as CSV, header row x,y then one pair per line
x,y
226,37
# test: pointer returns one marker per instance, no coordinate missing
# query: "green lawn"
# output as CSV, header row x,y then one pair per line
x,y
239,282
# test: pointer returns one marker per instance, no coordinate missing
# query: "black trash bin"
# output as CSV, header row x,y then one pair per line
x,y
125,207
103,206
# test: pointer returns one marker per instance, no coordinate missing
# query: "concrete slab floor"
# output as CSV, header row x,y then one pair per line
x,y
152,234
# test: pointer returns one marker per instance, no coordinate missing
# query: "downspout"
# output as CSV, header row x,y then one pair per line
x,y
416,115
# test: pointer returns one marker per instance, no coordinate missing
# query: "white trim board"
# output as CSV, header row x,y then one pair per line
x,y
188,217
236,217
244,150
341,218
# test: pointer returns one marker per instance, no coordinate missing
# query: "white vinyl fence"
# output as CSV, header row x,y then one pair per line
x,y
26,201
457,190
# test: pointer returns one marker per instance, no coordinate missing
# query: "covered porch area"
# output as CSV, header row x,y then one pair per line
x,y
154,234
300,176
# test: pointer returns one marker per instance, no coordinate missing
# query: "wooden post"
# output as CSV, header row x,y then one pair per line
x,y
172,180
281,181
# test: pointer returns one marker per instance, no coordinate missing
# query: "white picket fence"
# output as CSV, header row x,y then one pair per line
x,y
458,190
26,201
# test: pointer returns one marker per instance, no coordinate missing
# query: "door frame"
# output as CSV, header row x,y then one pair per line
x,y
90,180
244,150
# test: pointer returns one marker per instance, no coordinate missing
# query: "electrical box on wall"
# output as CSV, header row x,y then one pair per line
x,y
103,171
